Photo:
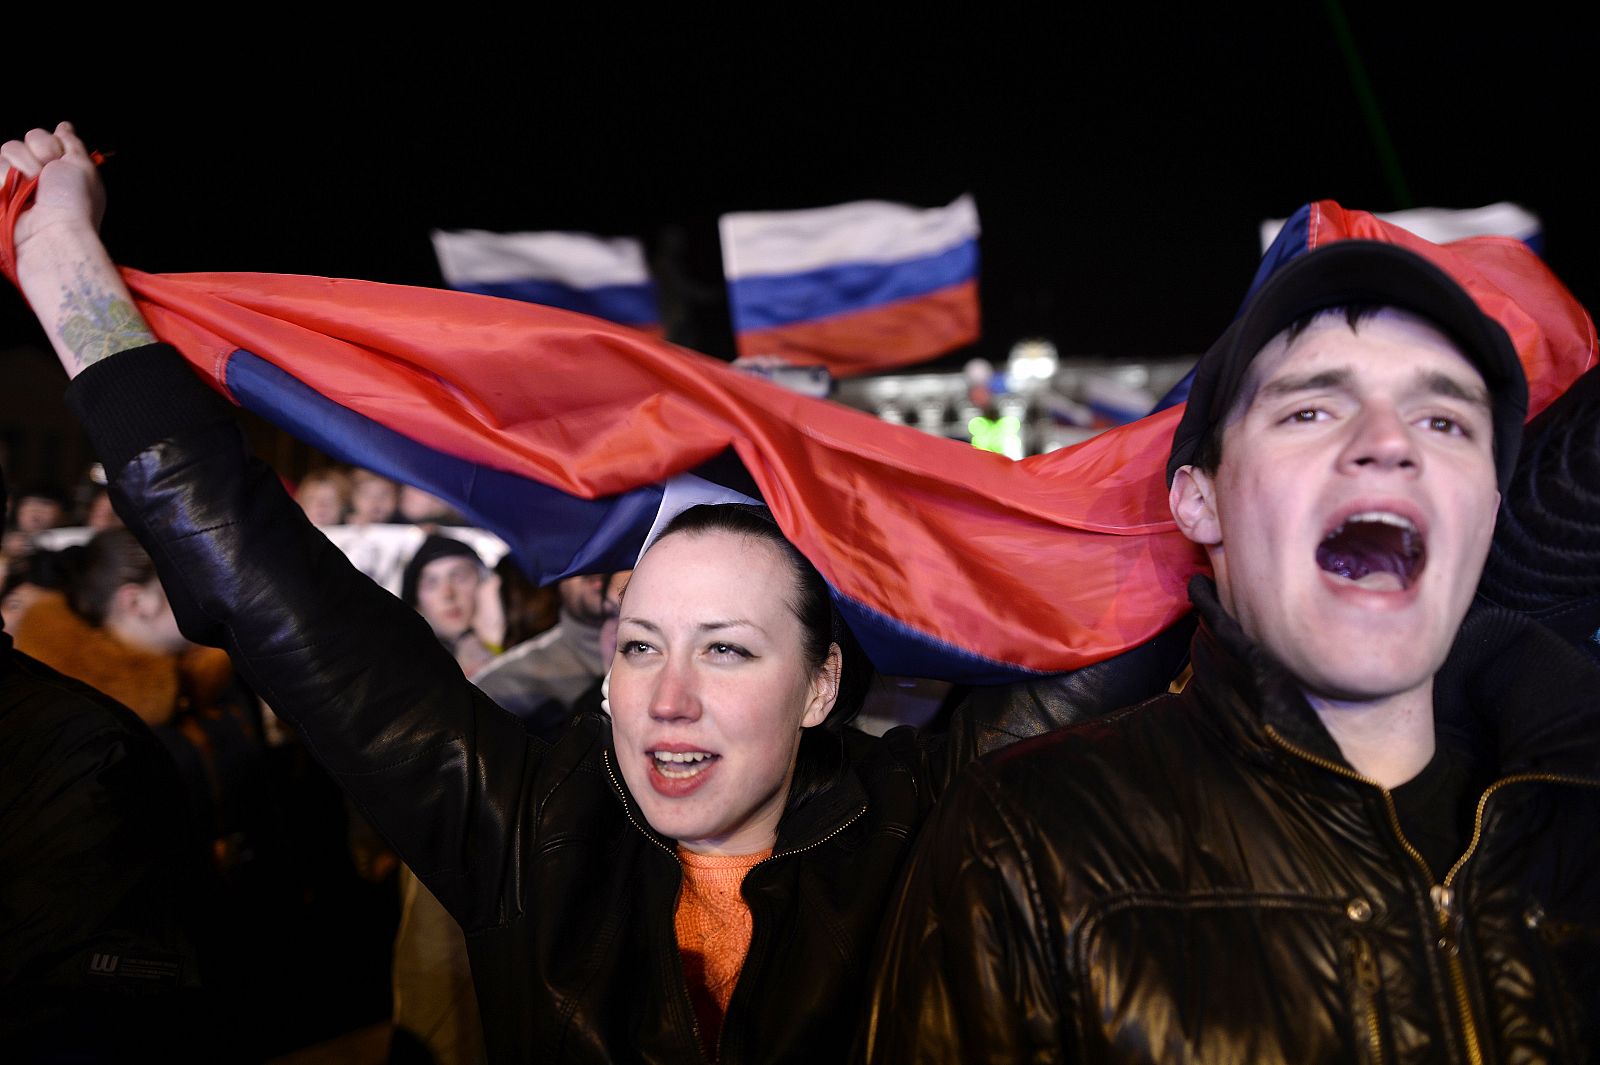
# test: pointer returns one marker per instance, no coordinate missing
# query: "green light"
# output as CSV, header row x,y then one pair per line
x,y
1002,435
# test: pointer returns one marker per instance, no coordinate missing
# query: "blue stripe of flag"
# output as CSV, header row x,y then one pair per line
x,y
551,534
783,299
623,304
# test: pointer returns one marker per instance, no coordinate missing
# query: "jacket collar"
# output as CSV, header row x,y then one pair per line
x,y
1245,690
1525,698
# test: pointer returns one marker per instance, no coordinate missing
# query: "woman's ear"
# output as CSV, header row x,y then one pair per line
x,y
1193,501
824,688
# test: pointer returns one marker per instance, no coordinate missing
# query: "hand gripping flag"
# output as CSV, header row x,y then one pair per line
x,y
558,431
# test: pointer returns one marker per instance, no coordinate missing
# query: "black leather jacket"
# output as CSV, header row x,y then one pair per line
x,y
566,896
1203,878
99,878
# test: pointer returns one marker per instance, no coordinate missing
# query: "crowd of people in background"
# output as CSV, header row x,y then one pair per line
x,y
81,595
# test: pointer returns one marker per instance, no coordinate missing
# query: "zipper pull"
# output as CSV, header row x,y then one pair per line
x,y
1444,901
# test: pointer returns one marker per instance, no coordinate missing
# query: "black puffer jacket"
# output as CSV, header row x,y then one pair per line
x,y
1203,878
566,897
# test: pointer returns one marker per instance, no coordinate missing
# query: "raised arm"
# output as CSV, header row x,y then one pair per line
x,y
62,268
439,769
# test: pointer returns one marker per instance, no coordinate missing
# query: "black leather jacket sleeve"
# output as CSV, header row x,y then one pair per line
x,y
438,768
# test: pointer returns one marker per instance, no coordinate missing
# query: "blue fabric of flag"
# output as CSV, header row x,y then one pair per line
x,y
783,299
623,304
551,534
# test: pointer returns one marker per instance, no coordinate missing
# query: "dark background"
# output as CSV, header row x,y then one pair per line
x,y
1121,161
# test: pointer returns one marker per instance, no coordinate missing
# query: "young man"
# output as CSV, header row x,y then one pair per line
x,y
1365,830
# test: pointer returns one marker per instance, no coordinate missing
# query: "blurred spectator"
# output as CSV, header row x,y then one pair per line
x,y
435,1005
541,680
99,515
374,500
324,495
420,508
114,630
527,608
37,509
99,890
442,582
33,511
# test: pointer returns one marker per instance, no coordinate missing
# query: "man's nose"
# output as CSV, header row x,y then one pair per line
x,y
1380,439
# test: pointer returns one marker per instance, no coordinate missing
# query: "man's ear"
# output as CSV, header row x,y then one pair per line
x,y
1193,500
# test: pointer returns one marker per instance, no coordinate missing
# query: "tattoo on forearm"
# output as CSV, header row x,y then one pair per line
x,y
96,323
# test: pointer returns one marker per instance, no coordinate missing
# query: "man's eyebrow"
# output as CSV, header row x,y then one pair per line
x,y
1438,383
1296,383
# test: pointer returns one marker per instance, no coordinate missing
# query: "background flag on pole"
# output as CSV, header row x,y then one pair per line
x,y
857,287
602,276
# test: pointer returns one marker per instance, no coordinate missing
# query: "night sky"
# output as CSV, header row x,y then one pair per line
x,y
1121,162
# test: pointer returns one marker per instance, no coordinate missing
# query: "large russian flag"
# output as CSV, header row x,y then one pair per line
x,y
568,437
603,276
857,287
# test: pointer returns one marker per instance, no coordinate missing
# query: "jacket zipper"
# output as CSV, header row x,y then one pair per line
x,y
694,1021
1442,895
814,844
1369,983
852,819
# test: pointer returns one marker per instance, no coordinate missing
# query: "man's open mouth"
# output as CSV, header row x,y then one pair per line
x,y
1377,549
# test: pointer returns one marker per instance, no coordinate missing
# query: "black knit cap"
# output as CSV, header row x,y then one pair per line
x,y
432,550
1353,272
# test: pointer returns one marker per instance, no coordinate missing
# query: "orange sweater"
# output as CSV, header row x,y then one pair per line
x,y
713,925
152,685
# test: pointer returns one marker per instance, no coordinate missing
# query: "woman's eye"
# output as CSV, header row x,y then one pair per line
x,y
727,650
634,647
1310,414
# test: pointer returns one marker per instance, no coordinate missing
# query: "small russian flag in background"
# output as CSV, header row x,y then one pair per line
x,y
601,276
858,287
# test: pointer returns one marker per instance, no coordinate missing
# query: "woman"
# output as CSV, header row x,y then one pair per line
x,y
699,876
113,629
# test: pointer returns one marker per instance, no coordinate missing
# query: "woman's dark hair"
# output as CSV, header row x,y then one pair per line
x,y
821,761
111,559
